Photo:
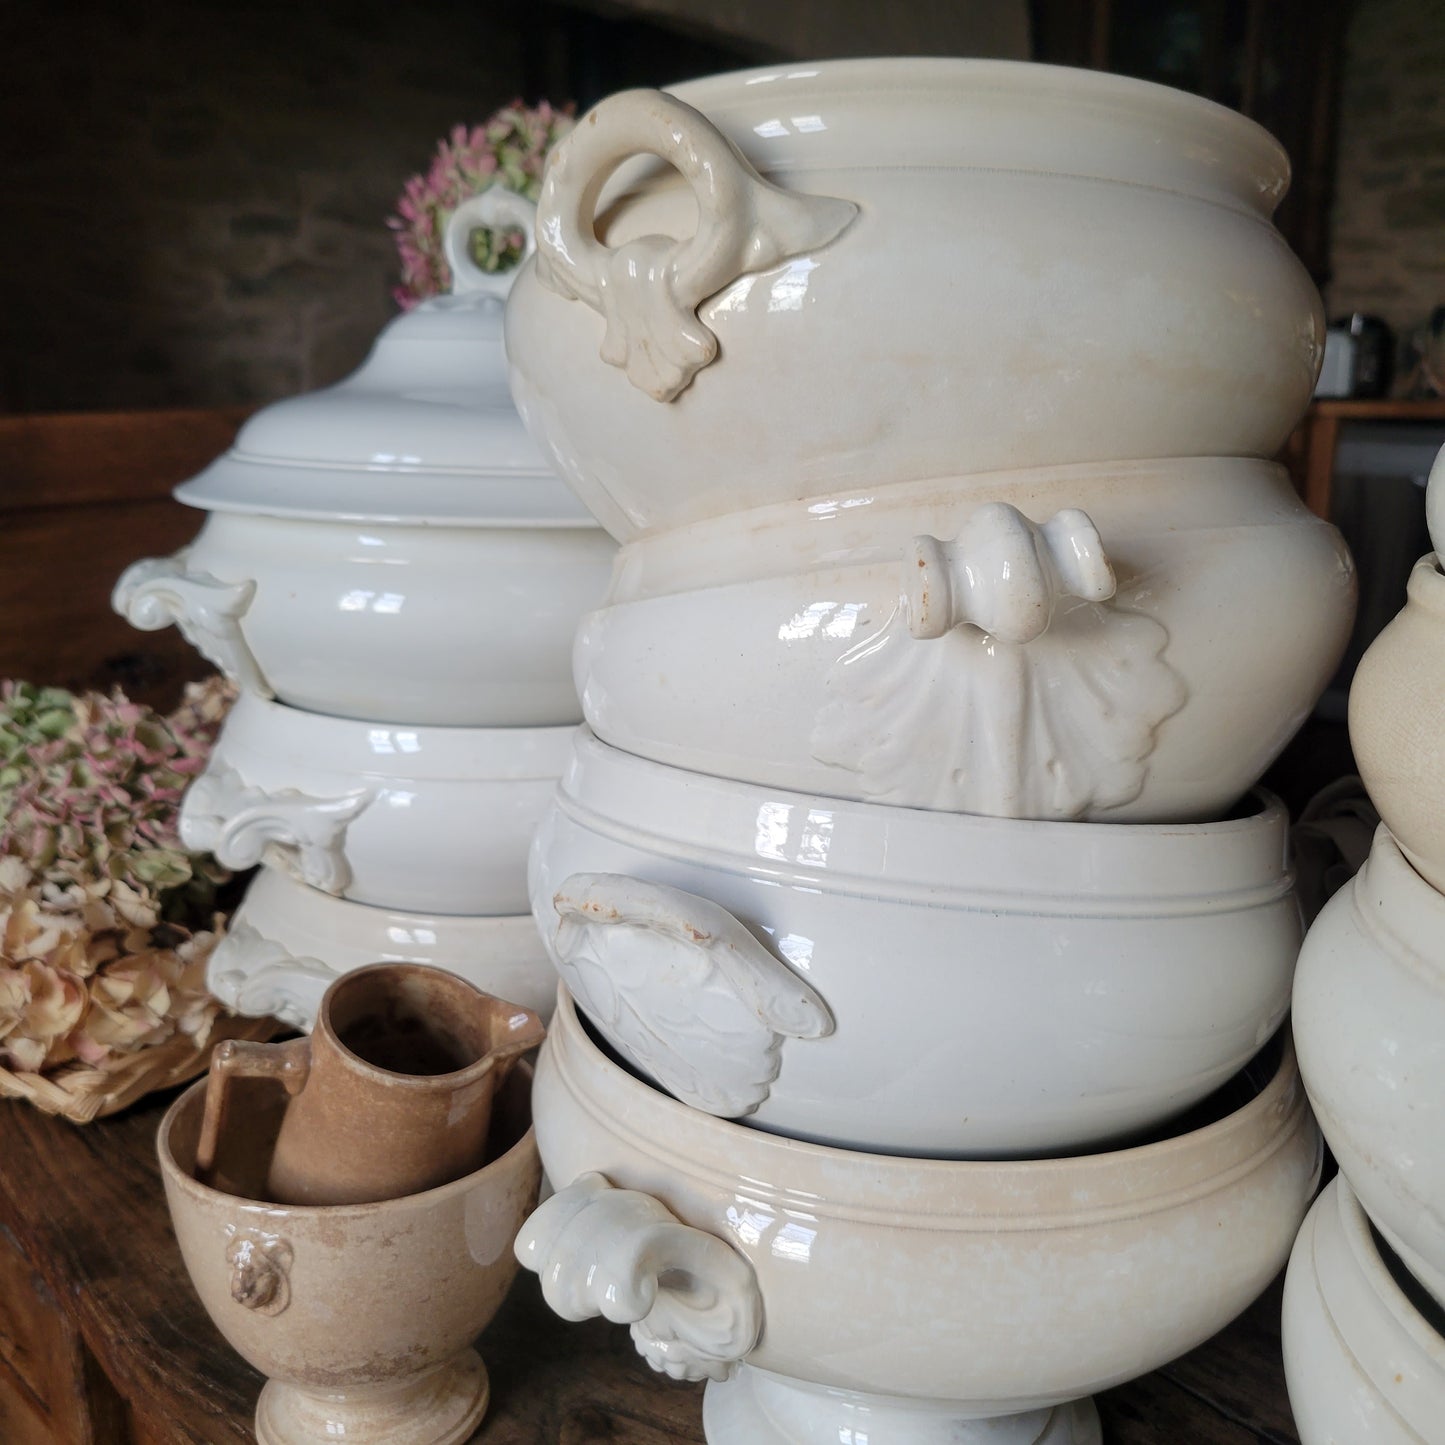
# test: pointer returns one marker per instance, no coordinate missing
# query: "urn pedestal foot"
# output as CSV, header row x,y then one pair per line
x,y
758,1408
441,1408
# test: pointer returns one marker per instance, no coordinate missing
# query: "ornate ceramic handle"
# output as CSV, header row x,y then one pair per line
x,y
1004,574
260,1270
683,987
494,208
648,290
159,591
692,1301
288,1062
244,825
253,975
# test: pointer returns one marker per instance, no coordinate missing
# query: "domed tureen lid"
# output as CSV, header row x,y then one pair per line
x,y
423,432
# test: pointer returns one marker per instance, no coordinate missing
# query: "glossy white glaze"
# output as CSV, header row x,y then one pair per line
x,y
979,1289
422,818
829,646
1364,1356
286,942
995,987
1369,1013
1046,266
1397,722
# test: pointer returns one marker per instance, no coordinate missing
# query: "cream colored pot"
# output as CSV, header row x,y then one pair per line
x,y
1369,1015
363,1315
1397,722
923,1301
1122,642
873,271
1364,1352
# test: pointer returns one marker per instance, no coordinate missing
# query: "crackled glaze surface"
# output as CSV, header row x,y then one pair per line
x,y
1065,983
942,1292
1048,266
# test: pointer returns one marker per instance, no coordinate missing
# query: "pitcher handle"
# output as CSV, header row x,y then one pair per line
x,y
649,289
288,1062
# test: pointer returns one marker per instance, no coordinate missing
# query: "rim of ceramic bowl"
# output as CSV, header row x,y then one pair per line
x,y
1026,1195
286,911
920,855
1383,1288
1398,909
315,743
514,1158
1218,144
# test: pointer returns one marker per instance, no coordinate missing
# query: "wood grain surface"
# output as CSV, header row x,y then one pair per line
x,y
108,1317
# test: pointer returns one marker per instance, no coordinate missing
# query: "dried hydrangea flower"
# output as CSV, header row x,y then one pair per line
x,y
510,150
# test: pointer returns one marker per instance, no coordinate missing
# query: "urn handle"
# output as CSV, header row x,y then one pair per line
x,y
495,208
260,1270
693,1301
648,290
159,591
1004,574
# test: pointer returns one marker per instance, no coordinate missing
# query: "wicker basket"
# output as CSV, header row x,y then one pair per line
x,y
81,1093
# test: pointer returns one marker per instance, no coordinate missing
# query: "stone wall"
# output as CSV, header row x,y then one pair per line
x,y
197,190
1388,242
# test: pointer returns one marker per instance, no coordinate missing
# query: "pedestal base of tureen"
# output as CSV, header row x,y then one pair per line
x,y
441,1408
758,1408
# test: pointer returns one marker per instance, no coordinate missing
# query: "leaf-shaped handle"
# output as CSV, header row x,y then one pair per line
x,y
159,591
494,208
692,1301
253,975
1004,574
649,289
679,984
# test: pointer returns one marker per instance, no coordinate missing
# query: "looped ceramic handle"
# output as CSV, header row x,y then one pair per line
x,y
495,208
288,1062
1004,574
648,290
678,983
692,1301
159,591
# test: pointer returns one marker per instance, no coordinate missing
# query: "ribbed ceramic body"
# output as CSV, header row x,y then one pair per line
x,y
978,985
1369,1015
1397,722
1043,266
425,819
784,647
1364,1352
1002,1286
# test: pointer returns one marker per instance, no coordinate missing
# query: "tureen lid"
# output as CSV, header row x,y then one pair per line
x,y
424,431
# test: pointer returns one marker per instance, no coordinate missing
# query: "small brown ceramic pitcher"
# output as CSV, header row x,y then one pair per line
x,y
390,1095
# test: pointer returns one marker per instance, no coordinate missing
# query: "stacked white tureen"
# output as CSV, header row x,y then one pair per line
x,y
917,1071
392,576
1364,1307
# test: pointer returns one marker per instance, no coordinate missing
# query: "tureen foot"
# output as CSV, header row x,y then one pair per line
x,y
443,1407
756,1407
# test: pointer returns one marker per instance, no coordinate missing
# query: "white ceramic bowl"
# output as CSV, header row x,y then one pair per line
x,y
949,266
912,982
434,820
286,943
460,624
834,646
1369,1015
1364,1346
862,1290
1397,721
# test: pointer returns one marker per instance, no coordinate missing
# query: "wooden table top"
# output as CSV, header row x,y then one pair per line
x,y
85,1207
